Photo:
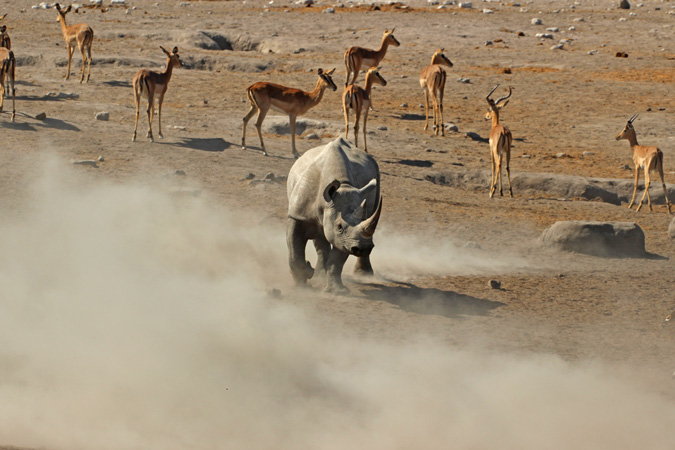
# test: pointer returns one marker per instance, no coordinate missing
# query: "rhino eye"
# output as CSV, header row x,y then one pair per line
x,y
340,228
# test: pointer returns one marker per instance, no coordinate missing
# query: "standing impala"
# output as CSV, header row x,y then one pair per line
x,y
500,142
294,102
355,57
358,99
151,84
80,34
646,157
432,80
7,68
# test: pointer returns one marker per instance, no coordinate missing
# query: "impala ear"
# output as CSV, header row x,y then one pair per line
x,y
175,50
330,72
56,5
67,9
320,71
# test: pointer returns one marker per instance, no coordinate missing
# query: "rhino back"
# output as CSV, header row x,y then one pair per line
x,y
318,167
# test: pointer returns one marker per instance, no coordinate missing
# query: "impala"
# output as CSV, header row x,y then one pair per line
x,y
358,99
432,81
80,34
151,84
294,102
500,142
646,157
7,68
5,41
355,57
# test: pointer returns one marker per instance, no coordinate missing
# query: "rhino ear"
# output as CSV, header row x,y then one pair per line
x,y
331,190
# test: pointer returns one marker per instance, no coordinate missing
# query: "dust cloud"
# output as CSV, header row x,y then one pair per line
x,y
134,319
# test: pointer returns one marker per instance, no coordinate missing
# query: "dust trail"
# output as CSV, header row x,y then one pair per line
x,y
131,319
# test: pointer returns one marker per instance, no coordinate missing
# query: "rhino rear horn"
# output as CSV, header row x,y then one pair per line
x,y
368,226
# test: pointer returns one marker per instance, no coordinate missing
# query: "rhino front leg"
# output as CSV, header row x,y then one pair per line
x,y
363,266
296,239
335,263
322,247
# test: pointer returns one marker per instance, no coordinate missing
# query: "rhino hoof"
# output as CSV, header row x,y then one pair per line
x,y
309,271
336,289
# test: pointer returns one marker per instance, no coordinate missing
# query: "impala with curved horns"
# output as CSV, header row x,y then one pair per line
x,y
500,142
294,102
647,158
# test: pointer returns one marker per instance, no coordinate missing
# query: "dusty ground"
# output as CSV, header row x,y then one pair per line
x,y
579,307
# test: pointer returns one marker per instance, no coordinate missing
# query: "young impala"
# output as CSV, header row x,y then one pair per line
x,y
358,99
7,68
294,102
356,57
647,158
500,142
81,35
151,84
432,80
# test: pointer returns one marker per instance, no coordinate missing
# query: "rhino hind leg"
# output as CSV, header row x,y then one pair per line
x,y
363,266
296,239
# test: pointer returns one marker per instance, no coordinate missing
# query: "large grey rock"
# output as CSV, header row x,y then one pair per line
x,y
671,229
604,239
281,125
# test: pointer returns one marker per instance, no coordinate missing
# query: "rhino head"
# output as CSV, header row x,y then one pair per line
x,y
346,224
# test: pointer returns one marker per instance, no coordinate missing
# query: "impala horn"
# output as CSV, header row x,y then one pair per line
x,y
487,97
368,226
501,99
632,118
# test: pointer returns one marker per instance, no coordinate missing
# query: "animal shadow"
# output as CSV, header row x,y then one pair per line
x,y
430,301
412,117
205,144
117,83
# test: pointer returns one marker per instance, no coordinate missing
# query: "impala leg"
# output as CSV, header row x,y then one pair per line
x,y
137,101
84,63
665,190
160,100
508,173
357,69
247,117
637,176
345,109
2,93
440,111
499,171
493,180
426,109
296,155
89,61
365,121
13,96
646,193
71,50
258,126
151,113
357,118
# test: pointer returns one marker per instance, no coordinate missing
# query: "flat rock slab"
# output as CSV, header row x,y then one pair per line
x,y
281,125
604,239
614,191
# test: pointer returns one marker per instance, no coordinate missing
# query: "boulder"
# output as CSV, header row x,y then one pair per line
x,y
604,239
280,125
623,4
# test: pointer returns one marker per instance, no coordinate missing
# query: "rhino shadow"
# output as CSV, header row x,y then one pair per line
x,y
430,301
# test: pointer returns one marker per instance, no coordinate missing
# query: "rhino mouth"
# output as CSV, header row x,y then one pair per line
x,y
362,250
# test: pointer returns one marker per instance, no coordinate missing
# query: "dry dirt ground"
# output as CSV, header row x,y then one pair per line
x,y
568,101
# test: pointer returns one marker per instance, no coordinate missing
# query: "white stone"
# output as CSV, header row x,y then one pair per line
x,y
536,21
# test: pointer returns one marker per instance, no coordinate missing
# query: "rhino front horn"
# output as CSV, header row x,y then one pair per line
x,y
369,225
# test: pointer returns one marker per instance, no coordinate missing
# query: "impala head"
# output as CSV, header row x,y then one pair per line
x,y
174,59
345,222
390,39
373,74
627,130
3,29
326,78
440,58
61,16
495,106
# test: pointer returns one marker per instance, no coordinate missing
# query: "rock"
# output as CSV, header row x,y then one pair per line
x,y
100,159
579,19
494,284
270,176
280,125
584,154
382,128
536,21
603,239
85,162
487,11
250,176
553,29
561,155
329,11
544,35
671,229
41,116
465,5
451,127
312,136
464,80
488,43
63,95
557,47
103,115
623,4
473,245
403,105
